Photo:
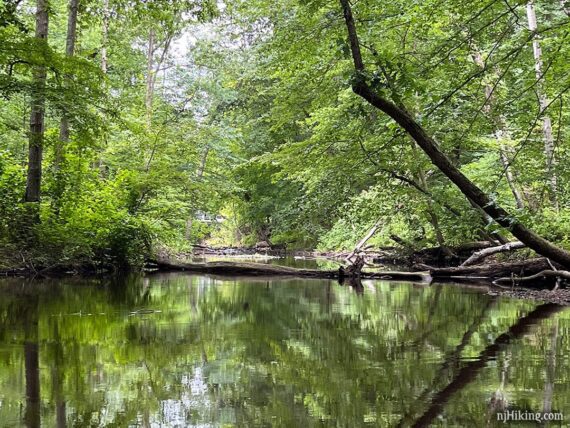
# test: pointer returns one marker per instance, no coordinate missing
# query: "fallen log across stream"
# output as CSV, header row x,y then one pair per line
x,y
491,270
260,269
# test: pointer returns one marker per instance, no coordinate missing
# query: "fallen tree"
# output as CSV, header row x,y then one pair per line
x,y
401,115
437,256
540,276
489,271
477,256
260,269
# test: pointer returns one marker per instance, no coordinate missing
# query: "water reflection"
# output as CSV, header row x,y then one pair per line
x,y
183,350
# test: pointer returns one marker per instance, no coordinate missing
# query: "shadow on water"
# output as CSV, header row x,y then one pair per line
x,y
183,350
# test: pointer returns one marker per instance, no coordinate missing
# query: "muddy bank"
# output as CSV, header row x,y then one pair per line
x,y
560,296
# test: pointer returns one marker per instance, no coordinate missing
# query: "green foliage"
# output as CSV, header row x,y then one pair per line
x,y
351,165
123,187
256,120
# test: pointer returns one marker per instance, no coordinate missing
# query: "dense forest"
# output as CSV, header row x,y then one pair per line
x,y
133,127
360,150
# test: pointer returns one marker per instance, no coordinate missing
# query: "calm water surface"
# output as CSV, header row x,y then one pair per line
x,y
188,350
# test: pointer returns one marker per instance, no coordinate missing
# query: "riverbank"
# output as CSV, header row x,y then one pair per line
x,y
499,277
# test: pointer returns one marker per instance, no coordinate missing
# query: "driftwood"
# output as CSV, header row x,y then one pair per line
x,y
540,276
440,256
490,271
354,269
473,246
486,252
260,269
363,241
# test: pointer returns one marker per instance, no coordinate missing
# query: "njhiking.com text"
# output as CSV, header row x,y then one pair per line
x,y
520,415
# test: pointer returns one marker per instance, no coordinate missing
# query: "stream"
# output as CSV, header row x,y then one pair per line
x,y
191,350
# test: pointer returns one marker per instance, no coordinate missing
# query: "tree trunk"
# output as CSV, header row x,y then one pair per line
x,y
364,240
105,37
261,269
565,7
537,278
36,139
500,132
434,221
450,366
440,160
511,178
32,415
201,169
488,220
69,51
152,70
149,78
551,176
495,270
98,164
57,371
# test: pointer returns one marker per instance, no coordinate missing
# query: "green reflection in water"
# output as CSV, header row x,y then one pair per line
x,y
182,350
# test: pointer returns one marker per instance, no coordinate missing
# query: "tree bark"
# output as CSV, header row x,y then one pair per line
x,y
551,176
104,66
36,138
439,159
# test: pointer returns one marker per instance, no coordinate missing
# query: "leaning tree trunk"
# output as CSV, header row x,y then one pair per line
x,y
36,139
440,159
551,176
